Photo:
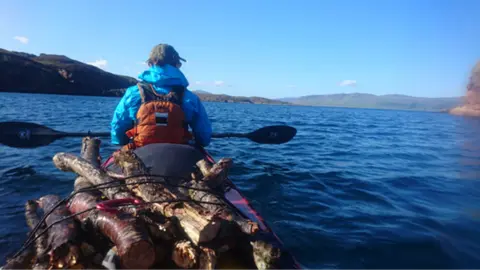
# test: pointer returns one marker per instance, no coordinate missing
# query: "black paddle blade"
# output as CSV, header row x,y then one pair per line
x,y
273,134
26,135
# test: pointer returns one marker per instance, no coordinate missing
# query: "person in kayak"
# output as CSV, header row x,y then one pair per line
x,y
160,108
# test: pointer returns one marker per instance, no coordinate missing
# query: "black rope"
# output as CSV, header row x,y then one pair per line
x,y
167,182
99,186
29,240
27,245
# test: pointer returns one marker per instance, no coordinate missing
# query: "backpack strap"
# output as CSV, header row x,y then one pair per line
x,y
148,93
176,94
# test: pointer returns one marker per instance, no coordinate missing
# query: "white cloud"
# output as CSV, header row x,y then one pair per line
x,y
142,63
23,40
348,83
210,83
218,83
102,63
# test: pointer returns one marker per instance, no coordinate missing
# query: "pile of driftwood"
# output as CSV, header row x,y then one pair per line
x,y
139,220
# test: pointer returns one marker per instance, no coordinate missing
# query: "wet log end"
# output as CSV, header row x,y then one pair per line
x,y
215,174
60,161
184,254
207,259
265,254
140,255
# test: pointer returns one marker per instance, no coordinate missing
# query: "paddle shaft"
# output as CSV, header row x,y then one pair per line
x,y
229,135
83,134
31,135
107,134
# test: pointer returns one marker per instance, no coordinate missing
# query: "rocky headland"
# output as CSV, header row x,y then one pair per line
x,y
471,106
56,74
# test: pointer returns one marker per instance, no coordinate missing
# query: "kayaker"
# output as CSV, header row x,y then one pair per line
x,y
165,97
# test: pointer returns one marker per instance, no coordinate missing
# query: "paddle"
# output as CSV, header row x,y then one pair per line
x,y
31,135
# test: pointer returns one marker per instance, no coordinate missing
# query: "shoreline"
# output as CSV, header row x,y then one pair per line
x,y
443,111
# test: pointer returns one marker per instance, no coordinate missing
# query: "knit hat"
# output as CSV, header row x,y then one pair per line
x,y
164,54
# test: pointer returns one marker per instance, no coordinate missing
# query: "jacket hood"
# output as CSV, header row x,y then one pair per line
x,y
164,76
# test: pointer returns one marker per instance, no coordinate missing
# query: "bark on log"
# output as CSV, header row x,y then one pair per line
x,y
224,211
91,150
61,236
134,246
71,163
198,224
184,254
33,219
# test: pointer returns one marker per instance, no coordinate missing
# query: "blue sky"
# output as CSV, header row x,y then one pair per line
x,y
265,48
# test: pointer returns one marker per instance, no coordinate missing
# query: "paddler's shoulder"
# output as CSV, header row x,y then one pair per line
x,y
191,98
131,95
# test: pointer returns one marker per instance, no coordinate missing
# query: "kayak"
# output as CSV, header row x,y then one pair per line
x,y
171,159
120,215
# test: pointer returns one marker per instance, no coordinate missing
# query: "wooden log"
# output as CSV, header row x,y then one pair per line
x,y
122,230
33,219
71,163
133,244
162,228
216,204
265,254
214,174
91,150
184,254
197,223
62,236
207,259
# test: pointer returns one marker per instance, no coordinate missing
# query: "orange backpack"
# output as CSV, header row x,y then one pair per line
x,y
160,118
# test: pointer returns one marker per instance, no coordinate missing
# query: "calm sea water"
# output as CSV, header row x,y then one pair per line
x,y
354,189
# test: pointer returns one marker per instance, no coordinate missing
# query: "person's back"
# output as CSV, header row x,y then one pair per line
x,y
162,85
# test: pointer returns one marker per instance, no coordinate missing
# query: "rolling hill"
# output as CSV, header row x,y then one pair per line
x,y
205,96
360,100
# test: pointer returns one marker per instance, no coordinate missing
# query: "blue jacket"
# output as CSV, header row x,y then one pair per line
x,y
161,78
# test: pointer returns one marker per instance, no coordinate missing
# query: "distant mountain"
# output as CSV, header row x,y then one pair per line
x,y
237,99
360,100
202,92
57,74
